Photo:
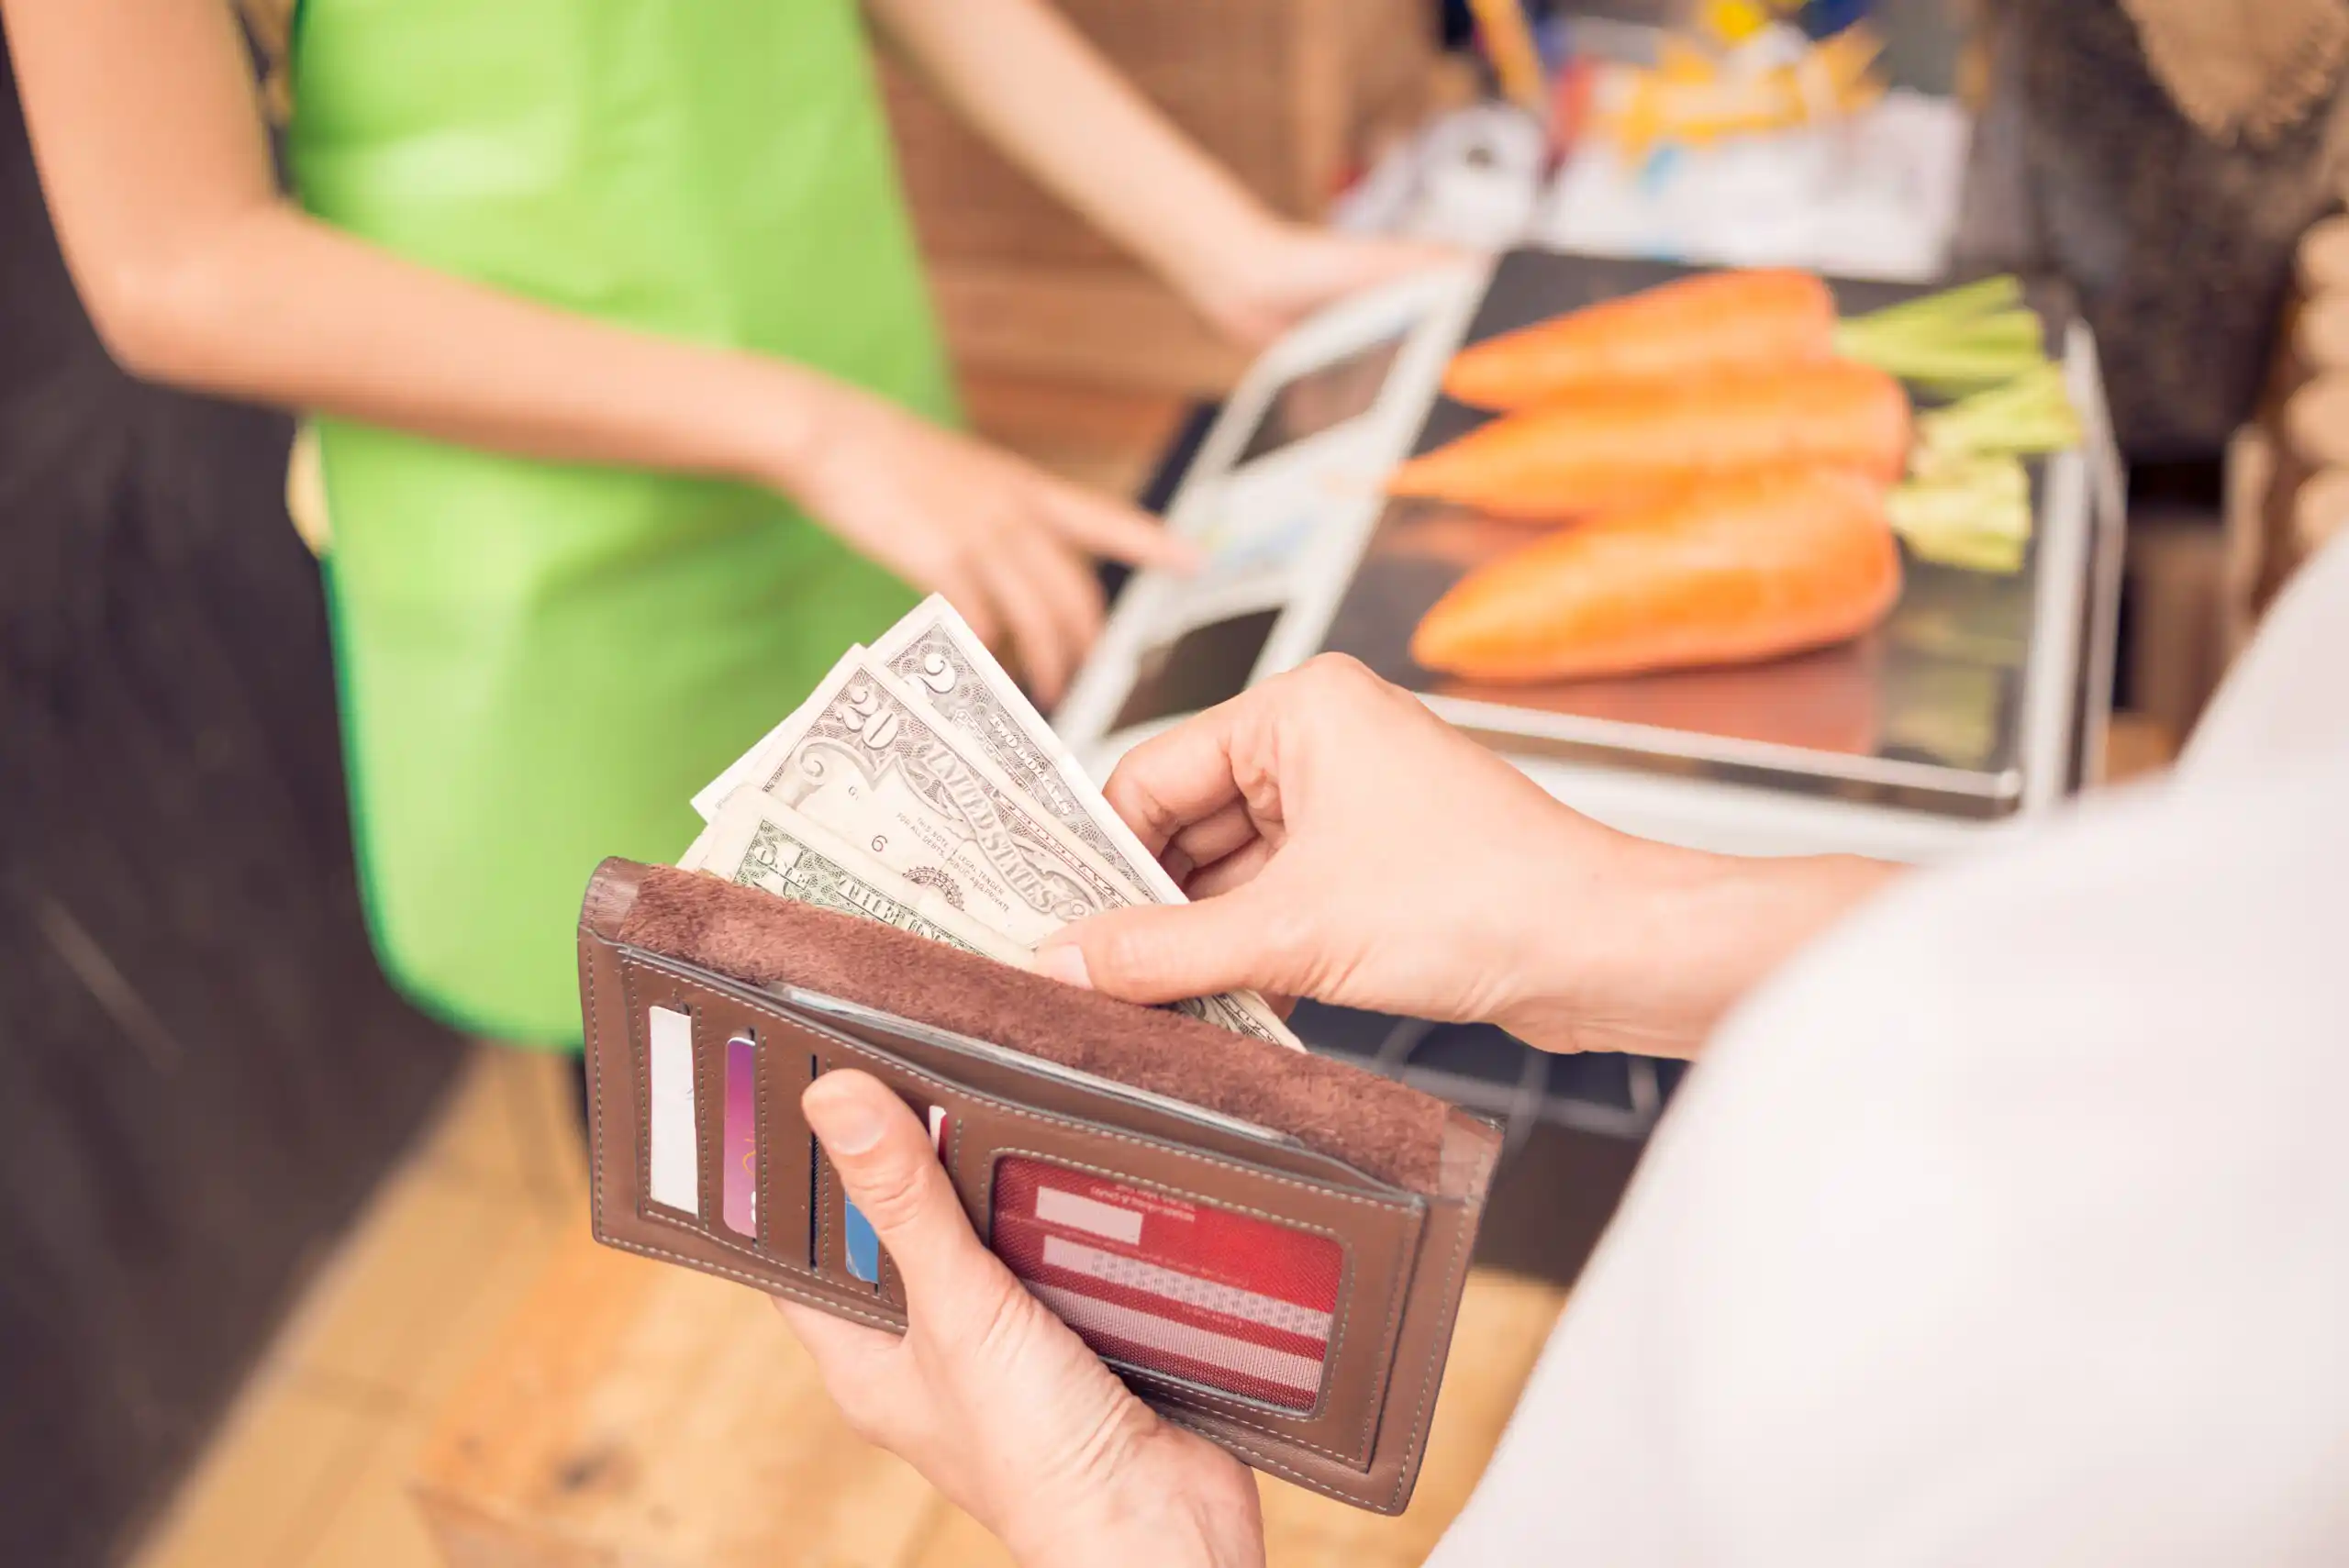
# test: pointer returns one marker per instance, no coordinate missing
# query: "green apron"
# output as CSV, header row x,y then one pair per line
x,y
539,662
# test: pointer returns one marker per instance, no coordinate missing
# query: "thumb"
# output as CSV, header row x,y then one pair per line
x,y
1170,951
890,1170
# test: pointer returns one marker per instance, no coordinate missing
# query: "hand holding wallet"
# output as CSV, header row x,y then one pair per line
x,y
1268,1246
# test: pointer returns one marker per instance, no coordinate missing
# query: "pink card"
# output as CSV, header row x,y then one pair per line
x,y
741,1206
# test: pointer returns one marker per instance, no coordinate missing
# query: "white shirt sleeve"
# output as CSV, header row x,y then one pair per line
x,y
2287,696
2008,1226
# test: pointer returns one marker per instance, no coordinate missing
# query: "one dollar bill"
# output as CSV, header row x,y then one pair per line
x,y
758,841
870,762
873,763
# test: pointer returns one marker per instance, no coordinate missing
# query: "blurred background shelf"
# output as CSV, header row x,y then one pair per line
x,y
1294,96
195,1044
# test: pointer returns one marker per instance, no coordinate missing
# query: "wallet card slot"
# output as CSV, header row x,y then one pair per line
x,y
1174,1285
1376,1227
833,1242
786,1150
709,1109
740,1142
1406,1253
717,1110
1175,1319
671,1179
991,1069
848,1250
851,1015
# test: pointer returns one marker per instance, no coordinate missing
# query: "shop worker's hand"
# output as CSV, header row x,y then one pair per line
x,y
1010,545
1341,842
1256,287
988,1394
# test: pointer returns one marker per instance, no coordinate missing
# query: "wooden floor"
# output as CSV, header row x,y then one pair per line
x,y
316,1464
312,1464
633,1412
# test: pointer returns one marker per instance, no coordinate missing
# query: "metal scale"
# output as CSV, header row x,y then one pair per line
x,y
1978,704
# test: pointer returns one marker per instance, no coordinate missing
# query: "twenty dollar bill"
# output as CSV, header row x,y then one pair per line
x,y
872,762
933,655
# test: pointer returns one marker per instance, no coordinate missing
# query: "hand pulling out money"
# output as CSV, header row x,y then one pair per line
x,y
918,787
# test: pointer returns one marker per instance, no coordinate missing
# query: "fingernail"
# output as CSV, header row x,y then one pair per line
x,y
1064,961
841,1119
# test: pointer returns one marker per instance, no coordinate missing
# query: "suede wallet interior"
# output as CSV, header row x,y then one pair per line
x,y
1268,1246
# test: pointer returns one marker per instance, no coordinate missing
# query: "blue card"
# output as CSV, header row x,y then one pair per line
x,y
863,1246
858,1238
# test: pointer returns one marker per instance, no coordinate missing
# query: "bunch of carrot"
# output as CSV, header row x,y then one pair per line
x,y
1727,452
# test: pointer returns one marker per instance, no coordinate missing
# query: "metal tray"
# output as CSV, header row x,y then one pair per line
x,y
1962,702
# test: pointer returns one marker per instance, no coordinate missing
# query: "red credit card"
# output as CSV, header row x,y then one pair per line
x,y
1163,1284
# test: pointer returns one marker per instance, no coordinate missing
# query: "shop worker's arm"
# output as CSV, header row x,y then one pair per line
x,y
151,149
153,154
1031,85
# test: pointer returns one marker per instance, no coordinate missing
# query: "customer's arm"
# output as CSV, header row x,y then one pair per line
x,y
1348,845
1031,85
1344,843
197,272
992,1398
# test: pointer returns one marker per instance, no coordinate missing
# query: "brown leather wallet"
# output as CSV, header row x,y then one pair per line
x,y
1268,1246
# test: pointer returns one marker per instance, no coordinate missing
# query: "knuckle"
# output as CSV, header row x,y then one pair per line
x,y
1337,695
1343,672
1328,681
1138,806
1291,939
